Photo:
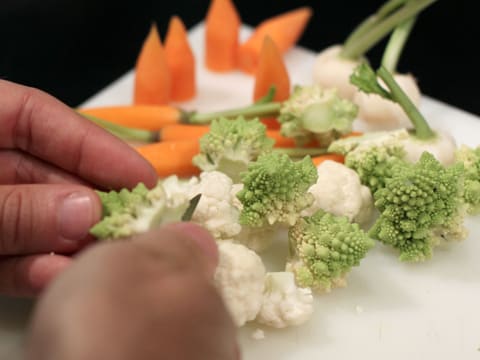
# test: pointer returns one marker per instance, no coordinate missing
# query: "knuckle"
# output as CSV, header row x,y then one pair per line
x,y
13,221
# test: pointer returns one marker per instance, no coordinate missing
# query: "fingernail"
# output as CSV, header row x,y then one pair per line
x,y
75,216
201,237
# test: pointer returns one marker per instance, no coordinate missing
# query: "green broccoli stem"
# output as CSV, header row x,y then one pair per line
x,y
420,124
251,111
355,49
123,132
372,20
396,44
300,152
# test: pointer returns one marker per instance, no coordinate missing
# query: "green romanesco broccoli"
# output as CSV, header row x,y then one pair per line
x,y
275,190
324,248
470,158
126,213
372,155
315,113
420,205
231,144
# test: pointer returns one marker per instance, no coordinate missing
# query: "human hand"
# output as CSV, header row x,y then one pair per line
x,y
151,297
50,158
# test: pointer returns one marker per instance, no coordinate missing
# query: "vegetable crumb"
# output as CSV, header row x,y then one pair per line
x,y
258,334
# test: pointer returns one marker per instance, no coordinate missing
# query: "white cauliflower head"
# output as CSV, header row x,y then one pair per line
x,y
284,304
338,191
240,278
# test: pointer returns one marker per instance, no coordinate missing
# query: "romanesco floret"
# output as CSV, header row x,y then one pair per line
x,y
231,144
419,206
372,155
313,112
324,248
470,158
275,190
284,304
127,213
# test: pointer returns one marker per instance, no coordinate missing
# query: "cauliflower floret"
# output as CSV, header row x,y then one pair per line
x,y
240,278
338,190
284,304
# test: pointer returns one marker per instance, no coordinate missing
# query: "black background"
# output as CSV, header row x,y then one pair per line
x,y
73,48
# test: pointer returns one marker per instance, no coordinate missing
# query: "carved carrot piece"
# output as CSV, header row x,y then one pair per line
x,y
180,61
285,29
222,28
317,160
172,157
152,77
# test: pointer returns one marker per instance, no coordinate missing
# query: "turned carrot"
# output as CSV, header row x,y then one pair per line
x,y
222,29
181,132
352,134
271,71
285,29
152,77
171,157
148,117
180,61
317,160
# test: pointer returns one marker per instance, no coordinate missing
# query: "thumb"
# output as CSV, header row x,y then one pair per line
x,y
46,218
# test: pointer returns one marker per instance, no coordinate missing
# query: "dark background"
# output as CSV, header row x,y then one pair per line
x,y
73,48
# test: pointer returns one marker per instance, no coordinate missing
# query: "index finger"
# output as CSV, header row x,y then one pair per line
x,y
37,123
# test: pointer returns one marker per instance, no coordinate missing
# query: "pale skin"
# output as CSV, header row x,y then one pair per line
x,y
148,298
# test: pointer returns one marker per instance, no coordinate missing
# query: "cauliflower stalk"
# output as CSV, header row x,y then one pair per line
x,y
315,113
284,304
240,279
275,190
420,206
324,248
338,190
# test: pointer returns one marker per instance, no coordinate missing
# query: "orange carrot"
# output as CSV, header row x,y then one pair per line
x,y
172,157
148,117
180,61
351,134
181,132
152,78
317,160
285,29
271,71
222,28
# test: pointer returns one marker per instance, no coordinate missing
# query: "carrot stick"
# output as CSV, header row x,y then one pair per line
x,y
172,157
181,132
148,117
222,28
180,61
152,78
351,134
285,29
271,71
317,160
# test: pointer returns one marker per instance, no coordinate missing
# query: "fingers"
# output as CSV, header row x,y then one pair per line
x,y
36,123
21,168
27,276
151,297
44,218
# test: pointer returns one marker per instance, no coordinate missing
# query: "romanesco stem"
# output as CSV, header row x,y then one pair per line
x,y
251,111
372,20
354,50
124,132
396,44
422,129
